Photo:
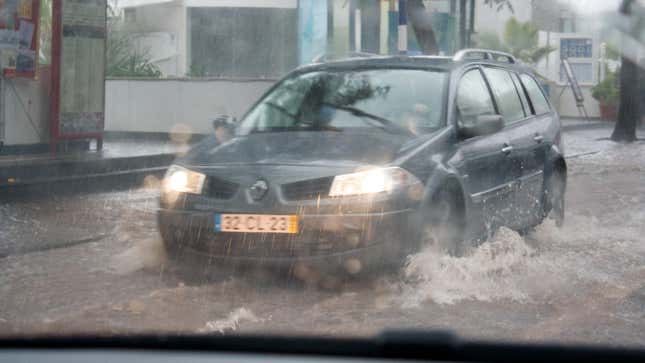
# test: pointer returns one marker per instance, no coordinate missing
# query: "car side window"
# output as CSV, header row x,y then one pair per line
x,y
539,102
508,100
522,93
473,98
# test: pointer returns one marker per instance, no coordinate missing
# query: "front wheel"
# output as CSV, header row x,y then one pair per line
x,y
554,197
443,224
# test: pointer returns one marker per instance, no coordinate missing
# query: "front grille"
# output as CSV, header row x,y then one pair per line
x,y
219,188
262,245
307,189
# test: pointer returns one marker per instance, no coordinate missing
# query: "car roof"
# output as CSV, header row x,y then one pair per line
x,y
444,63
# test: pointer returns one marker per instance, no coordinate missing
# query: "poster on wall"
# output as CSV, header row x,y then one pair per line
x,y
19,37
79,68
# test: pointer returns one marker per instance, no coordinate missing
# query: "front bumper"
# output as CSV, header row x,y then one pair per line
x,y
325,238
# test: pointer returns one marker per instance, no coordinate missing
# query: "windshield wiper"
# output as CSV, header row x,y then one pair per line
x,y
299,125
383,122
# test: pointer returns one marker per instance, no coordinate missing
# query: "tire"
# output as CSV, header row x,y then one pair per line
x,y
443,222
554,201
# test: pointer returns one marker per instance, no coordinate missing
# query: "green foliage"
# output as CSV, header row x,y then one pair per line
x,y
519,39
490,40
124,57
607,91
612,52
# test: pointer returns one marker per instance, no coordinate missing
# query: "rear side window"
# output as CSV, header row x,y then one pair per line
x,y
520,90
473,98
540,105
508,100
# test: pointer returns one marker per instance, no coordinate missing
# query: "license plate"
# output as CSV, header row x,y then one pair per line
x,y
256,223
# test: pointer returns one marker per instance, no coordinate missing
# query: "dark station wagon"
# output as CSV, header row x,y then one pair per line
x,y
364,160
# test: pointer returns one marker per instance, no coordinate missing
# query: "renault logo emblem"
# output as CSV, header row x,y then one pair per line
x,y
258,189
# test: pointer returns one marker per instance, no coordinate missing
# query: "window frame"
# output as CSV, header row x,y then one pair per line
x,y
524,98
528,96
527,115
464,71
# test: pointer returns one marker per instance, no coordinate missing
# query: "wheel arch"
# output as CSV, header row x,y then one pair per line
x,y
444,178
556,163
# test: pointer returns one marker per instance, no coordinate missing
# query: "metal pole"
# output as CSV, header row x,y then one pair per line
x,y
330,23
471,22
403,27
2,112
358,30
462,24
352,26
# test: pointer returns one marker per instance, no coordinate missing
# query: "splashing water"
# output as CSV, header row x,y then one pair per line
x,y
231,322
486,274
539,267
146,253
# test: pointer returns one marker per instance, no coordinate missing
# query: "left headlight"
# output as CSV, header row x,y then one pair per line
x,y
371,181
180,179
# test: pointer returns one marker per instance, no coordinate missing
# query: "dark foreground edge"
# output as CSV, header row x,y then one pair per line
x,y
418,345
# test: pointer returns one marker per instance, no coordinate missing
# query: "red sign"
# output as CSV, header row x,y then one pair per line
x,y
78,69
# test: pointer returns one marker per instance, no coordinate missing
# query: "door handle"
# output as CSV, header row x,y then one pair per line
x,y
538,138
507,149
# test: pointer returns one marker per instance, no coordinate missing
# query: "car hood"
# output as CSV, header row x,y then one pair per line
x,y
319,148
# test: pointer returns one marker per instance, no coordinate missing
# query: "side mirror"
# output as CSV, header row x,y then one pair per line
x,y
224,127
224,121
484,125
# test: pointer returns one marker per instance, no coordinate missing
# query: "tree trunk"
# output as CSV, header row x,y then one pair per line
x,y
629,107
422,25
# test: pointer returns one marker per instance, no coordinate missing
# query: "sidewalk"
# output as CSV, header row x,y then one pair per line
x,y
122,159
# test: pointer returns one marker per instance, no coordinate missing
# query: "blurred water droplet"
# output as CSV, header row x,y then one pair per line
x,y
180,134
151,182
353,266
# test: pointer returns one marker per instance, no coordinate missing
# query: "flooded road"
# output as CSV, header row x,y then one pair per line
x,y
94,263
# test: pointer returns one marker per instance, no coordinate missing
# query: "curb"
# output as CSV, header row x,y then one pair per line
x,y
42,178
53,246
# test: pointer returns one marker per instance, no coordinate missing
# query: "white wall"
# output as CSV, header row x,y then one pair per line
x,y
162,47
168,18
164,105
549,67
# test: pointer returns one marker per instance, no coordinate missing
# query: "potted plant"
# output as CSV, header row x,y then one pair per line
x,y
607,95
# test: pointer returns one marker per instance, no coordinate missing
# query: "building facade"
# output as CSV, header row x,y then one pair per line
x,y
267,38
575,32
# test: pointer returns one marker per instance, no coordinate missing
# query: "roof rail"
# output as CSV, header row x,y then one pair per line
x,y
484,54
324,57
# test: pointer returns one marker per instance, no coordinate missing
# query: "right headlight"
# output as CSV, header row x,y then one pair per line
x,y
371,181
180,179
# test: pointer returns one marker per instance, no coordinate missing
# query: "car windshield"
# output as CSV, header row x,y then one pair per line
x,y
324,167
395,100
